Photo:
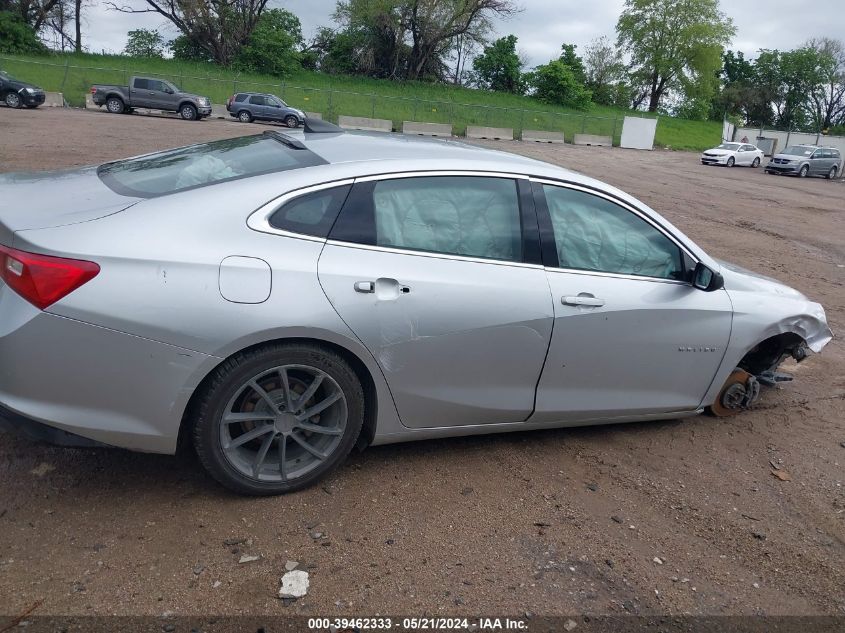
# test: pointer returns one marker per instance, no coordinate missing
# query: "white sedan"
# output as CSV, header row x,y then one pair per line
x,y
730,154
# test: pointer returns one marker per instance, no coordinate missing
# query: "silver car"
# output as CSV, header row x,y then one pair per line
x,y
276,300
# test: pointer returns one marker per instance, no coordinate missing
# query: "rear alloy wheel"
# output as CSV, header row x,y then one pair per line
x,y
291,121
115,105
13,100
279,418
756,163
188,112
832,173
731,161
804,171
244,116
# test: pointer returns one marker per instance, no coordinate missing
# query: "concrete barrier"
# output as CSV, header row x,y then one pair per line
x,y
314,115
497,133
54,100
365,124
89,102
219,111
539,136
592,139
427,129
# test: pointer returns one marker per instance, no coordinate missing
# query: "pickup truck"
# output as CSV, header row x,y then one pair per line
x,y
146,92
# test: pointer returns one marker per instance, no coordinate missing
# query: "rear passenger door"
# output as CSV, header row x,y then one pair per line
x,y
818,163
257,106
140,94
440,277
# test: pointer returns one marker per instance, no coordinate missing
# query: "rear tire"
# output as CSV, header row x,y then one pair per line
x,y
274,459
188,112
756,163
832,173
291,121
244,116
115,105
13,100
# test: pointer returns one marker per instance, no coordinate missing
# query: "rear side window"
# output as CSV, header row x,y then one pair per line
x,y
471,216
142,84
834,153
205,164
240,98
311,213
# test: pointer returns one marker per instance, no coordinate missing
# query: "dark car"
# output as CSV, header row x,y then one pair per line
x,y
806,160
259,106
17,94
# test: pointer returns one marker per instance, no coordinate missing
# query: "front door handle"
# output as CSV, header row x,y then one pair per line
x,y
365,286
583,299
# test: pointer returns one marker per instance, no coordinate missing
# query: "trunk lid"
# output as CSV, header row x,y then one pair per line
x,y
39,200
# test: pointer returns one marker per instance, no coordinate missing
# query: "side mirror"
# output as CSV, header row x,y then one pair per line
x,y
705,279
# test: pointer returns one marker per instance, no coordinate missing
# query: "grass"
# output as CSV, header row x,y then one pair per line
x,y
332,95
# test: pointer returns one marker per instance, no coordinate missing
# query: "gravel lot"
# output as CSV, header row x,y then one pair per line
x,y
553,522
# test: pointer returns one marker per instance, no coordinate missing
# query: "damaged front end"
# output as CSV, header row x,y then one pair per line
x,y
758,368
772,323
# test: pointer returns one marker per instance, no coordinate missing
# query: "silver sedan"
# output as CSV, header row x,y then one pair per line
x,y
276,300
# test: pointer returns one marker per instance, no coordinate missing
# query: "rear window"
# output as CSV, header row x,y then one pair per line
x,y
205,164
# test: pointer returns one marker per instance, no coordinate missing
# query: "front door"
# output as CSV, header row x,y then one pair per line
x,y
631,336
432,275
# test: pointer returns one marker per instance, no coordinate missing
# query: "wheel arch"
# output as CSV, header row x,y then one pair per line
x,y
360,368
769,352
185,102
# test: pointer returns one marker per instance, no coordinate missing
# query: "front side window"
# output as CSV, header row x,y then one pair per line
x,y
471,216
204,164
311,213
155,84
595,234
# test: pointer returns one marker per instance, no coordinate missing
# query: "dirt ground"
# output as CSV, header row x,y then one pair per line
x,y
551,522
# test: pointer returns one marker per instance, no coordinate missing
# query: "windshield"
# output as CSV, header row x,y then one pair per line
x,y
205,164
731,146
797,150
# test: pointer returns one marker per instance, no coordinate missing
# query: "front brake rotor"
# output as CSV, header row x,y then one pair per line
x,y
739,392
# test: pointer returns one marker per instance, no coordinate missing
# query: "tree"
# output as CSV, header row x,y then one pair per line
x,y
557,84
788,78
499,67
185,49
16,36
411,39
605,72
569,57
273,46
674,44
144,43
828,98
220,27
31,12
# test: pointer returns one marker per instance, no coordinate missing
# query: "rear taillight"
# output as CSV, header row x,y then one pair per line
x,y
229,101
93,90
42,279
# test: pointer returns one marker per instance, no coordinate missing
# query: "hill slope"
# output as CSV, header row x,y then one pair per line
x,y
355,96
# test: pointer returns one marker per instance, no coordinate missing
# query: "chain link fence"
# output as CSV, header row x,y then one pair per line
x,y
74,81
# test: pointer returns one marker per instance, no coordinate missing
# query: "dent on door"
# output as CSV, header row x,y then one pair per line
x,y
459,342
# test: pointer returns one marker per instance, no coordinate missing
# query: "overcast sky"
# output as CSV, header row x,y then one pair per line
x,y
543,25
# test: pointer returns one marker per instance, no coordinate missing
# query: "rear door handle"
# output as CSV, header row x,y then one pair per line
x,y
583,299
365,286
